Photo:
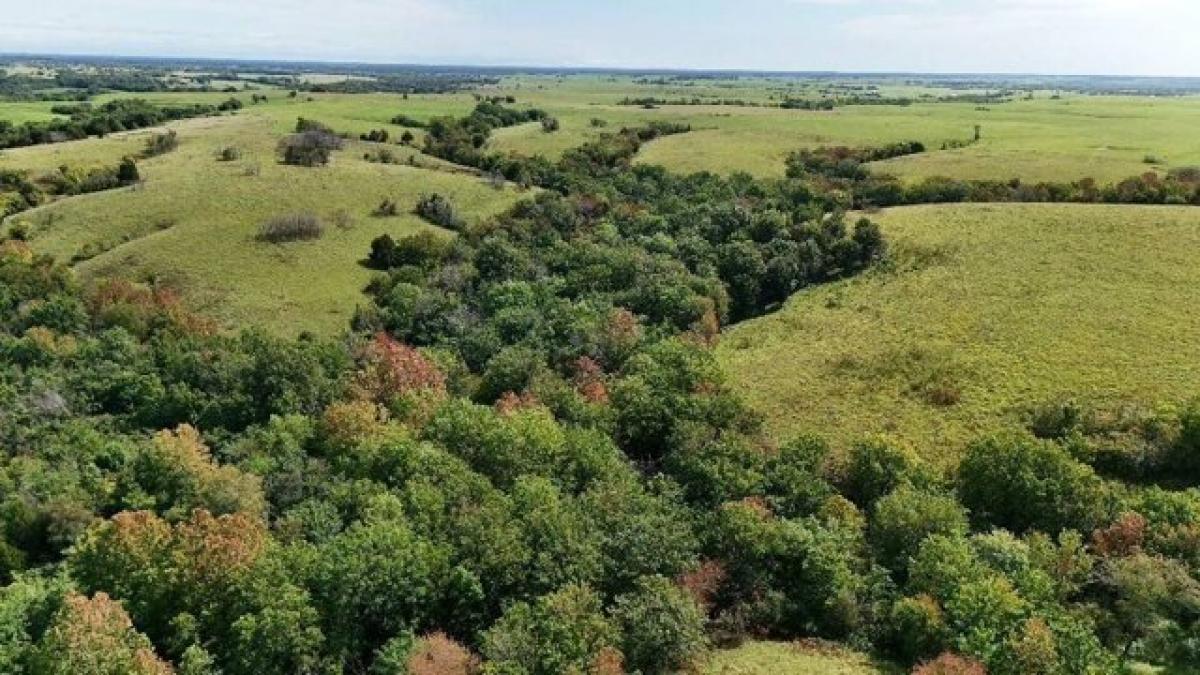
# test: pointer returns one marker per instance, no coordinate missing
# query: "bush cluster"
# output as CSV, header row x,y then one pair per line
x,y
440,211
312,144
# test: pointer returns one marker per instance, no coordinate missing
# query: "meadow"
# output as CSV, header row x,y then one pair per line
x,y
192,224
984,312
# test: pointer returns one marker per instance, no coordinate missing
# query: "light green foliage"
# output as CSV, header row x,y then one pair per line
x,y
904,518
561,632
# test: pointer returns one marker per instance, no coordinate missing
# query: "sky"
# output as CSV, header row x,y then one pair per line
x,y
1114,37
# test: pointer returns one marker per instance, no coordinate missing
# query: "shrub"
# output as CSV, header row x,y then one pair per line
x,y
161,144
406,121
311,145
375,136
438,210
127,173
917,628
229,154
550,124
387,208
292,227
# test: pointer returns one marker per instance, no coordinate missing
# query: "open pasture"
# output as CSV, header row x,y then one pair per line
x,y
986,310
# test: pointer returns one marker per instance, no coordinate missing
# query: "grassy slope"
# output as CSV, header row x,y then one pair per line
x,y
1007,305
193,222
770,658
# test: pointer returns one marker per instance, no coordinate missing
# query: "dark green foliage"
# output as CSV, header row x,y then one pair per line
x,y
406,121
311,145
904,518
876,468
375,136
1022,484
127,173
87,120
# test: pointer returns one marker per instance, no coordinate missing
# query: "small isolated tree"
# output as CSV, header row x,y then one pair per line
x,y
311,145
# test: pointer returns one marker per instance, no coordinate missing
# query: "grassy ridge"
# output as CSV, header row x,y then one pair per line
x,y
991,309
193,223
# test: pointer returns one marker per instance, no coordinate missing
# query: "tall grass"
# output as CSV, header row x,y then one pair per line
x,y
303,226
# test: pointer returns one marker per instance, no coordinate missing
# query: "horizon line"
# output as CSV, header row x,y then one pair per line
x,y
518,67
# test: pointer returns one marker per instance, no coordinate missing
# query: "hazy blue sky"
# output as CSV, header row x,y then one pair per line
x,y
1153,37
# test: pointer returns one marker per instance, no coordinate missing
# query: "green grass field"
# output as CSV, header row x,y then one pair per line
x,y
773,658
990,309
1107,138
1104,137
193,223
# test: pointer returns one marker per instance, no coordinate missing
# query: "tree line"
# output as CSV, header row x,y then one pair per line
x,y
85,120
842,172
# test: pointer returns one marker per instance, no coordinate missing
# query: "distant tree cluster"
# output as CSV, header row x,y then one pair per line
x,y
843,173
86,120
